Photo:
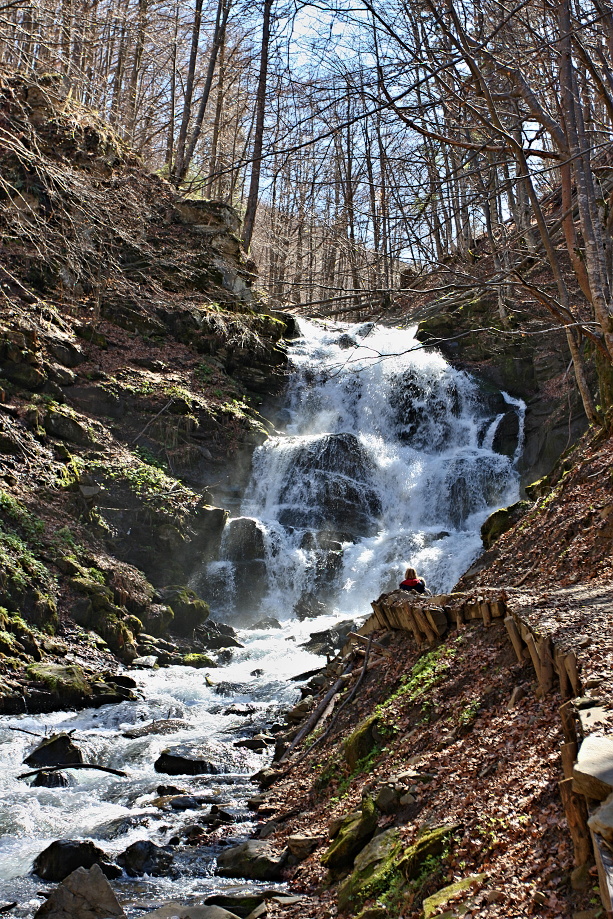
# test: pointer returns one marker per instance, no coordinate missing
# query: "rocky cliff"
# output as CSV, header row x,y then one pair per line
x,y
134,358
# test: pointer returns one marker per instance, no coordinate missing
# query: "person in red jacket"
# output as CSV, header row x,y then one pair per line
x,y
412,582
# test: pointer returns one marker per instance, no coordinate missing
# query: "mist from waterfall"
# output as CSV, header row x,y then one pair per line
x,y
387,458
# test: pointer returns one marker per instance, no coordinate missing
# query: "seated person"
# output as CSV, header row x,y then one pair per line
x,y
412,582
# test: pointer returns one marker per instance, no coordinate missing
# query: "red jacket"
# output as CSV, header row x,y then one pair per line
x,y
417,584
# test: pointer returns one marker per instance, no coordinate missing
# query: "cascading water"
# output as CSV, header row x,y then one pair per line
x,y
389,457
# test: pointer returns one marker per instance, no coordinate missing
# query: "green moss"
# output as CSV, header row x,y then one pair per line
x,y
442,897
198,660
355,831
362,741
64,680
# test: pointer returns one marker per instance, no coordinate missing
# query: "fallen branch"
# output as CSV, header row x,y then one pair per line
x,y
23,731
316,715
349,699
366,641
150,422
29,775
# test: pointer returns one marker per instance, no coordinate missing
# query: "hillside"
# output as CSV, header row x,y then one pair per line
x,y
134,357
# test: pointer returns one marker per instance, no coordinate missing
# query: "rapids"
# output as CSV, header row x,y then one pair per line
x,y
384,456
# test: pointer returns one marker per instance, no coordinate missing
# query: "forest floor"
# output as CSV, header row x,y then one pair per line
x,y
494,761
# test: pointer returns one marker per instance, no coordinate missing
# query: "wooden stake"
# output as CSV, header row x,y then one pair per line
x,y
569,726
459,616
534,656
575,808
516,639
487,614
568,752
570,662
558,660
424,625
546,664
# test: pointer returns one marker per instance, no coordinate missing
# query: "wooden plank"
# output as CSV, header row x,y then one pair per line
x,y
575,808
437,619
424,625
516,639
486,613
498,609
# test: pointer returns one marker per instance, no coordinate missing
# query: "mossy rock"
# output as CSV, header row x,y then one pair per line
x,y
100,596
442,897
362,741
189,609
198,660
375,869
356,830
385,867
431,842
536,490
64,426
67,683
502,520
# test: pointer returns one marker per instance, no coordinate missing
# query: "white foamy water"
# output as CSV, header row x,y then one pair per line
x,y
387,458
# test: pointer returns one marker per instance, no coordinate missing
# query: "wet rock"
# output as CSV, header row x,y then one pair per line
x,y
268,622
328,486
190,611
258,743
147,662
309,607
57,750
198,661
144,857
299,712
265,778
84,894
51,780
242,711
64,856
355,831
163,726
185,760
254,860
329,641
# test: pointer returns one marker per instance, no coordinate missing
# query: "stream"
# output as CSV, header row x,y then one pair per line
x,y
384,456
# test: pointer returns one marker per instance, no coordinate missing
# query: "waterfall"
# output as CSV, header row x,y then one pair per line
x,y
387,457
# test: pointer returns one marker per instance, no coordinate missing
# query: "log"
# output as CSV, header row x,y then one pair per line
x,y
546,664
516,639
568,752
575,808
570,662
316,715
558,661
569,725
29,775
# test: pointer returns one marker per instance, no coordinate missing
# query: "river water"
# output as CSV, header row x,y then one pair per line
x,y
385,456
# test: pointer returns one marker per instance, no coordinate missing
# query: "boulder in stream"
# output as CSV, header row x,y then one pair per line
x,y
64,856
48,779
186,760
84,894
254,860
144,857
56,750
